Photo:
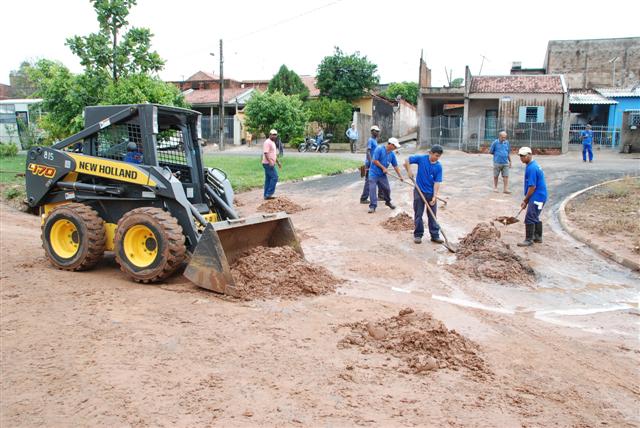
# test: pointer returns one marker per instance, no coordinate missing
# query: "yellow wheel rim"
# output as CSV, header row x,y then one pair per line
x,y
140,246
64,238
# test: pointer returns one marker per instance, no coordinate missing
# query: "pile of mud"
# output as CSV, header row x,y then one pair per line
x,y
400,222
280,204
420,341
483,255
263,273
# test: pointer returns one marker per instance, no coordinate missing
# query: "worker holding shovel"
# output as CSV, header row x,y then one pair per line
x,y
382,157
428,181
535,196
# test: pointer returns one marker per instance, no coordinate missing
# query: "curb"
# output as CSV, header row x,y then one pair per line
x,y
578,235
318,176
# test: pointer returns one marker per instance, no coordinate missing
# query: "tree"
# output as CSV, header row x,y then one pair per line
x,y
289,83
102,53
115,72
268,110
346,77
141,88
457,82
21,85
331,114
407,90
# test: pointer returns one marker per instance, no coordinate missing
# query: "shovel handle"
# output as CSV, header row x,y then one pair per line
x,y
444,201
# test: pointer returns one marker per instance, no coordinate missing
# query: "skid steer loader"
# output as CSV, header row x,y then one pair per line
x,y
133,182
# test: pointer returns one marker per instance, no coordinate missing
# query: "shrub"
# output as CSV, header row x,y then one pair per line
x,y
7,150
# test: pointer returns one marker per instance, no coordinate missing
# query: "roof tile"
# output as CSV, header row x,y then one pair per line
x,y
517,84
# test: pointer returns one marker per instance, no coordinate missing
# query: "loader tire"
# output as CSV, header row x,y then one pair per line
x,y
73,237
149,244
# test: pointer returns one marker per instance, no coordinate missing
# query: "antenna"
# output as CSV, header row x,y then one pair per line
x,y
482,63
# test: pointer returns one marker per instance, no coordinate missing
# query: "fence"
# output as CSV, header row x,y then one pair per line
x,y
228,128
480,132
602,135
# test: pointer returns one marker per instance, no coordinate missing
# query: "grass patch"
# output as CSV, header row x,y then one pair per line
x,y
612,210
10,166
246,172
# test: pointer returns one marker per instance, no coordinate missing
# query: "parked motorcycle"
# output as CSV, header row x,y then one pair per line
x,y
310,144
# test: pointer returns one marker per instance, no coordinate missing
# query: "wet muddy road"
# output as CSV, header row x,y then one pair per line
x,y
93,348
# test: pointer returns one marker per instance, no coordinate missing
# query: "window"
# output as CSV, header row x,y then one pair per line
x,y
531,114
7,113
634,118
112,142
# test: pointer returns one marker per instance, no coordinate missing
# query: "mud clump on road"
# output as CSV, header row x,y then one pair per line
x,y
398,223
422,342
280,204
483,255
264,273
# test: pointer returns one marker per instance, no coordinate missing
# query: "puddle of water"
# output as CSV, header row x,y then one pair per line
x,y
471,304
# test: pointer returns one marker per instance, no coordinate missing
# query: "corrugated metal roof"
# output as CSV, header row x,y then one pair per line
x,y
588,97
518,84
620,92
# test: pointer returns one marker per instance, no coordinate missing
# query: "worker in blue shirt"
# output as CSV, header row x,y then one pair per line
x,y
535,196
372,144
353,136
133,155
501,151
428,179
586,136
382,157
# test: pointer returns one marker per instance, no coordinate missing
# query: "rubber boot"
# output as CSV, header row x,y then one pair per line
x,y
528,240
537,234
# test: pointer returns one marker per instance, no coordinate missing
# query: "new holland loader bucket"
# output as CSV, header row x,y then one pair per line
x,y
223,242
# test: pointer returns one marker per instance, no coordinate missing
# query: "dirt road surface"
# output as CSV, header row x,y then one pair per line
x,y
92,348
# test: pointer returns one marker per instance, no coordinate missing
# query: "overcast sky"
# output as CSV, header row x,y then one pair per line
x,y
259,36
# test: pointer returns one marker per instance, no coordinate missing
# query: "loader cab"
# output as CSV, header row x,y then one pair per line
x,y
165,137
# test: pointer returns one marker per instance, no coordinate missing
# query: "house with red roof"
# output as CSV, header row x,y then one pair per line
x,y
531,108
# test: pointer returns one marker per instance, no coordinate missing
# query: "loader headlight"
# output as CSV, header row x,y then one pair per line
x,y
199,127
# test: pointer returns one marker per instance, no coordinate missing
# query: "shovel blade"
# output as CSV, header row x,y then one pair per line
x,y
222,243
506,220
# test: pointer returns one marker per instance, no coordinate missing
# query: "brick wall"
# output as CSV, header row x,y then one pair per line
x,y
585,63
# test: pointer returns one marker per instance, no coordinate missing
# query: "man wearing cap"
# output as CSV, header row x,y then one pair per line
x,y
352,135
500,150
586,136
382,157
535,196
428,180
269,161
372,145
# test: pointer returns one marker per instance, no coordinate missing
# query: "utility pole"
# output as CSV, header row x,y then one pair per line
x,y
221,104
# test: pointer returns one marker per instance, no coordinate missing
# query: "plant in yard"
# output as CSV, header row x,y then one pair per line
x,y
277,111
407,90
8,150
289,83
333,115
346,77
119,68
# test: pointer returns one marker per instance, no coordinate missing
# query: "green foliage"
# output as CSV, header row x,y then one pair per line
x,y
141,88
21,85
346,77
13,192
30,135
407,90
276,110
289,83
8,150
457,82
245,172
102,54
66,95
332,115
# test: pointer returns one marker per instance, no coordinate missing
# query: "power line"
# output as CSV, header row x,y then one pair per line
x,y
284,21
